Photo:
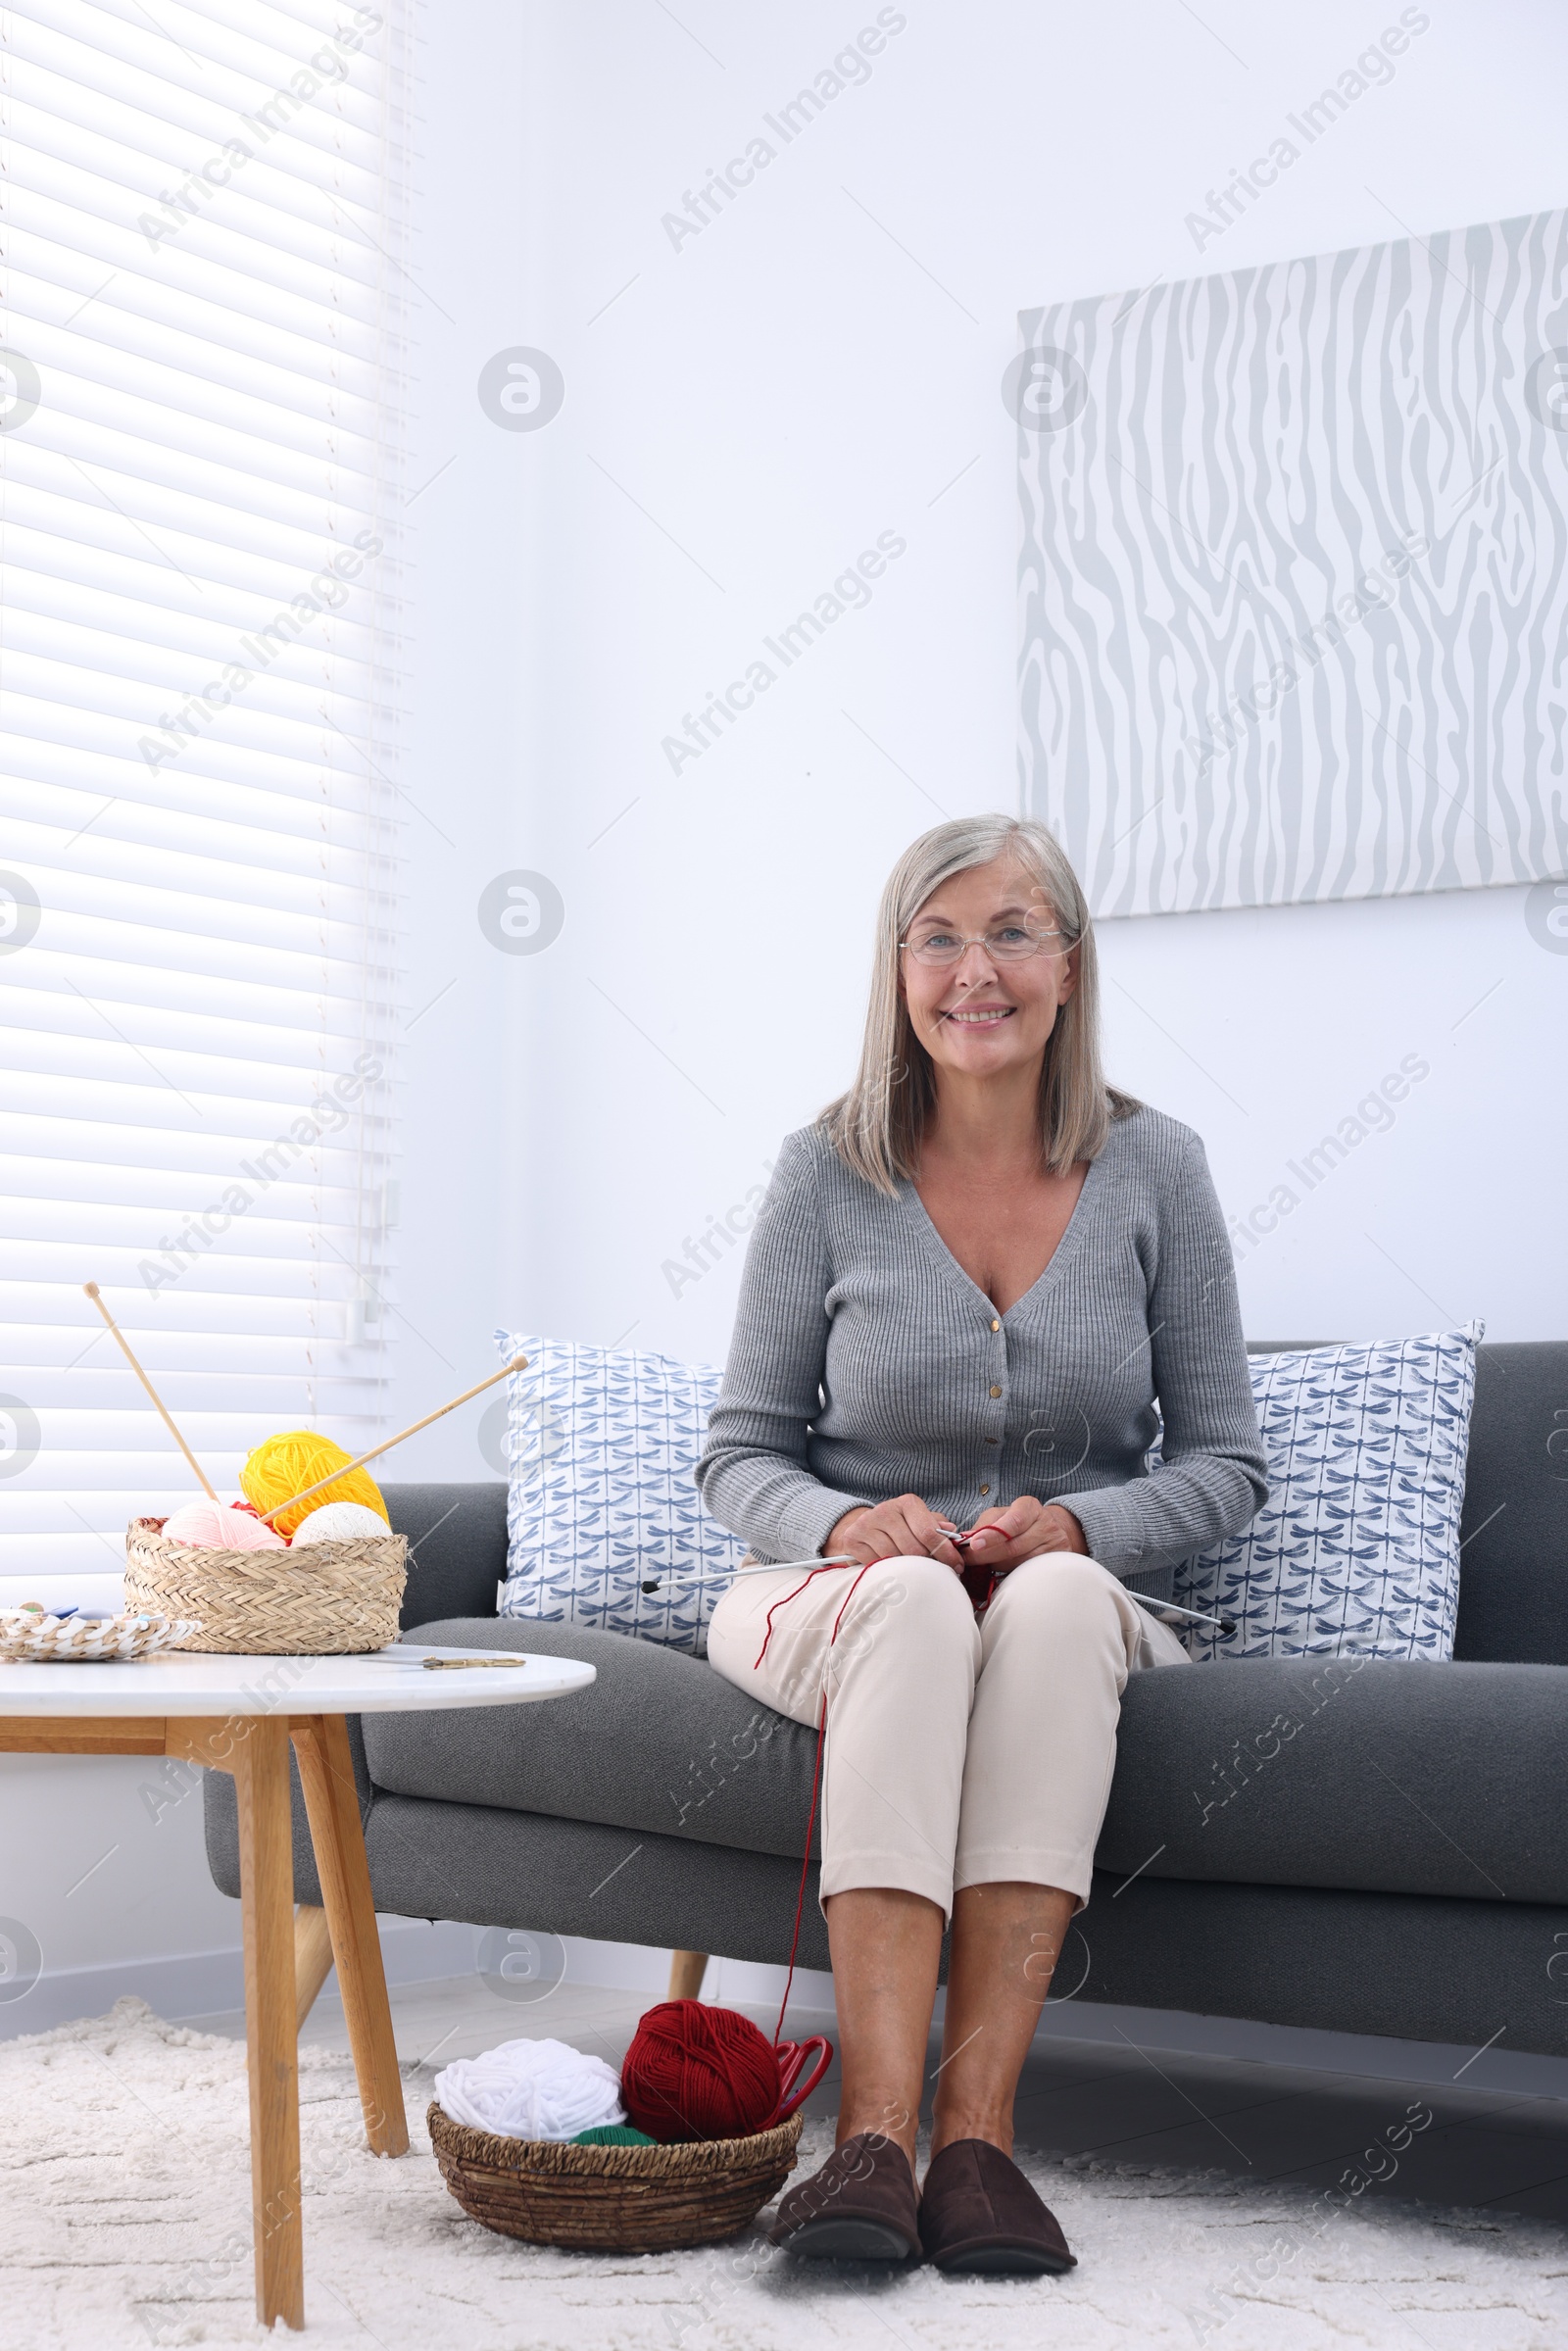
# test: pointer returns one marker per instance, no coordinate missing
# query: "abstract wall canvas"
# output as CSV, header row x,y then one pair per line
x,y
1295,574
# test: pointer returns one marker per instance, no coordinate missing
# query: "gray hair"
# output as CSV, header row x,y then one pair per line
x,y
876,1127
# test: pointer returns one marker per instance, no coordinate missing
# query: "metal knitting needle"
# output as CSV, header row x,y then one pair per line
x,y
1221,1624
835,1559
786,1567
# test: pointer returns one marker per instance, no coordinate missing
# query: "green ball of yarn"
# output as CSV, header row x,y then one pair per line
x,y
613,2135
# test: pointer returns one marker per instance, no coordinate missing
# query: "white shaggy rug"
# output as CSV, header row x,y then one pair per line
x,y
126,2223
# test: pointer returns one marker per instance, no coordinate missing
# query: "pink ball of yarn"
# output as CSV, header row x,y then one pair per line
x,y
213,1528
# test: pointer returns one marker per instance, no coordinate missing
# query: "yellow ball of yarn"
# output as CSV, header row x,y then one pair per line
x,y
285,1465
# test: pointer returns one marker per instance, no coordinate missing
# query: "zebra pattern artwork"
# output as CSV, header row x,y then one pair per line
x,y
1294,575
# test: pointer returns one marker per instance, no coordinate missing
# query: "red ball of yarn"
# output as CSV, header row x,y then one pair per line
x,y
699,2073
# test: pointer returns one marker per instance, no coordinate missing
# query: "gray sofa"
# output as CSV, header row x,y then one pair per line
x,y
1373,1846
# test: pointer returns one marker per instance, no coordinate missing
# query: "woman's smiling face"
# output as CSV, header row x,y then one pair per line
x,y
984,1014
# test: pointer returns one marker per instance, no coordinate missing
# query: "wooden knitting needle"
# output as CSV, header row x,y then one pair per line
x,y
518,1363
92,1291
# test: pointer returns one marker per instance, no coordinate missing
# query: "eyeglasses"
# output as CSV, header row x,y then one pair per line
x,y
1012,943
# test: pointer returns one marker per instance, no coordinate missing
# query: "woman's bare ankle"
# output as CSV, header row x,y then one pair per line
x,y
882,2120
996,2129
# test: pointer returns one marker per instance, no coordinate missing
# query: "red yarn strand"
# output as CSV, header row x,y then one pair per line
x,y
693,2072
806,1863
816,1777
847,1597
784,1603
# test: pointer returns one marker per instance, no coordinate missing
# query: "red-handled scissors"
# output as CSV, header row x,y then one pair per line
x,y
793,2059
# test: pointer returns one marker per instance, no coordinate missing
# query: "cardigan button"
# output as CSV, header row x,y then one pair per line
x,y
995,1392
995,1324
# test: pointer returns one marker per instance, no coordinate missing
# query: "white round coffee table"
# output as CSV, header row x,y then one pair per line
x,y
238,1715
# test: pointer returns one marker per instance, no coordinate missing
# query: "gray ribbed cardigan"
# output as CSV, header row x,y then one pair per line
x,y
865,1363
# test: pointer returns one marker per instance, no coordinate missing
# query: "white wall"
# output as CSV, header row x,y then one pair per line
x,y
820,365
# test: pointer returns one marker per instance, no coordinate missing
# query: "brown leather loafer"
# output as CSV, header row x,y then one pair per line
x,y
861,2206
978,2212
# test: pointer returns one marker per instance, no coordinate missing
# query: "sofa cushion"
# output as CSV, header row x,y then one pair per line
x,y
1398,1965
1513,1588
555,1877
605,1523
660,1742
1362,1774
1350,1772
1513,1537
456,1547
1357,1547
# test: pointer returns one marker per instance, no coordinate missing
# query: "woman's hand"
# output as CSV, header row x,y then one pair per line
x,y
1023,1531
903,1529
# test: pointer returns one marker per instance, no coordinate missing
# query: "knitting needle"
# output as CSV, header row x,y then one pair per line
x,y
837,1559
786,1567
518,1363
1222,1624
92,1291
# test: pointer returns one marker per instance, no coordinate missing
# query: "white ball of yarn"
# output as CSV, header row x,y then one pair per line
x,y
335,1522
530,2089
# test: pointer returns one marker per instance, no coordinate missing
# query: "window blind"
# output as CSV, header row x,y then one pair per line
x,y
202,314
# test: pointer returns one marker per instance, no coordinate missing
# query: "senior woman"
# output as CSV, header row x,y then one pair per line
x,y
968,1283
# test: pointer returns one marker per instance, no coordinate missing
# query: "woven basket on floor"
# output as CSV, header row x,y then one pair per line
x,y
324,1600
612,2199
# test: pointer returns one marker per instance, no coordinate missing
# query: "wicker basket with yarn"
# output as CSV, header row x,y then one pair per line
x,y
613,2199
323,1599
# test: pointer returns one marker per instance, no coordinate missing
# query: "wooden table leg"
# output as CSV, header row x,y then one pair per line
x,y
686,1971
260,1765
331,1800
313,1957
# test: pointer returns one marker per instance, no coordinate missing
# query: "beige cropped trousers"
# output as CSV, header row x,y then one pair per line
x,y
959,1752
